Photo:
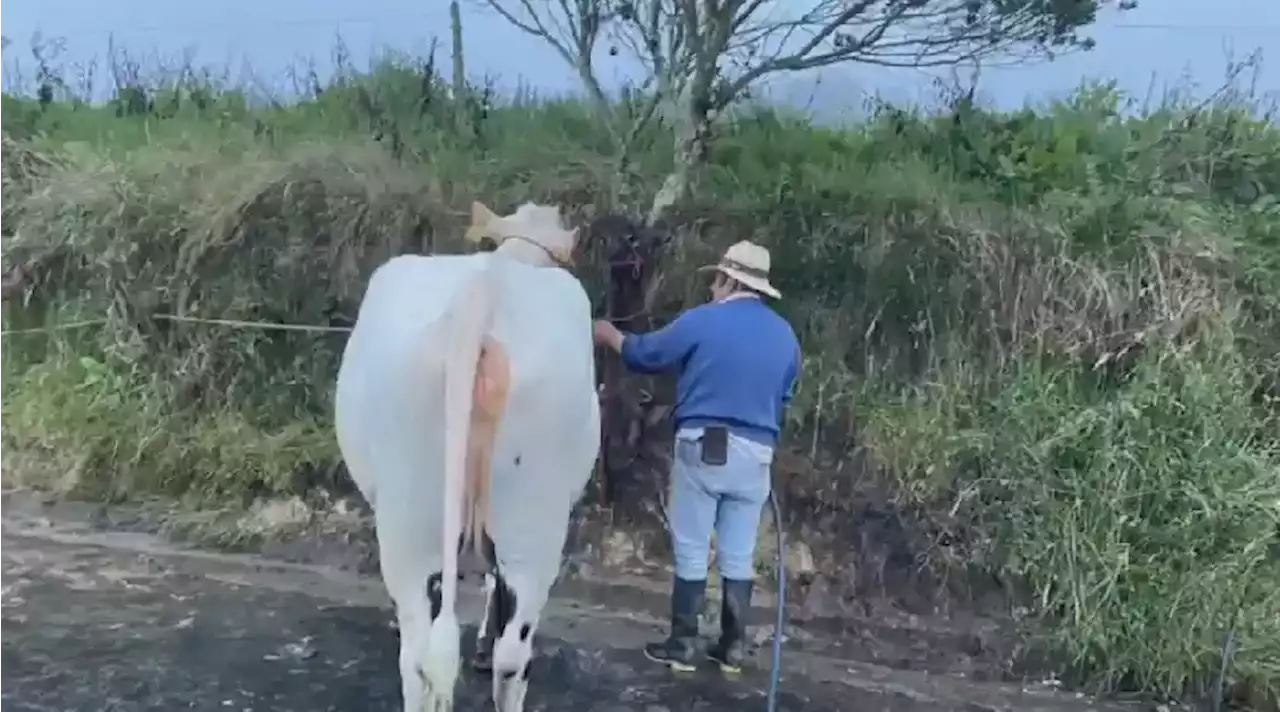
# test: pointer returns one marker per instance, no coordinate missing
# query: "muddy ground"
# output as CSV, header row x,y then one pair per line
x,y
95,618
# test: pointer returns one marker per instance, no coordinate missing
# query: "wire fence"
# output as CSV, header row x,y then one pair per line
x,y
232,323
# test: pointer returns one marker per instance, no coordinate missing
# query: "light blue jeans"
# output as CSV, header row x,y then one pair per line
x,y
726,499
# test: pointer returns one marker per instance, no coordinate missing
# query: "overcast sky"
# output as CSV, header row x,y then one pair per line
x,y
1162,43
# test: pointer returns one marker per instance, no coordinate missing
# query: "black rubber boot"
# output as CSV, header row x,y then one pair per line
x,y
680,650
735,606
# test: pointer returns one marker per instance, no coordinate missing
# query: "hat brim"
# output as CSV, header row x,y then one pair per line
x,y
758,284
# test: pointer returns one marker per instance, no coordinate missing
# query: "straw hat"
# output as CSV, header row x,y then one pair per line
x,y
747,263
539,225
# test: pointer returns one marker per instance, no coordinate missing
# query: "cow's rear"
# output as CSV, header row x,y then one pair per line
x,y
466,412
418,360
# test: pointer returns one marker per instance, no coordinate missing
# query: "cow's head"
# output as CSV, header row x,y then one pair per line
x,y
631,253
534,233
627,244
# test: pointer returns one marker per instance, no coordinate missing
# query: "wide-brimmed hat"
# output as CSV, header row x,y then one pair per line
x,y
540,225
747,263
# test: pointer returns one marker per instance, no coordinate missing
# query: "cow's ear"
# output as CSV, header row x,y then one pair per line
x,y
482,219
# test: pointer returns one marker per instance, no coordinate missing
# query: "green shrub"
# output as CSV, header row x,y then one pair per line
x,y
1106,500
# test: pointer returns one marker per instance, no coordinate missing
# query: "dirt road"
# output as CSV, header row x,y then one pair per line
x,y
116,621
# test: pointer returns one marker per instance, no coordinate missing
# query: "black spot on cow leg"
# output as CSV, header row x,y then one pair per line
x,y
504,599
517,459
525,630
434,593
509,674
489,551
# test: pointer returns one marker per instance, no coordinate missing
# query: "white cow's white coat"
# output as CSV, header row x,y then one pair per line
x,y
390,420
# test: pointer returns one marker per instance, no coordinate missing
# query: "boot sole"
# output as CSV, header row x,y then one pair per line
x,y
676,666
725,668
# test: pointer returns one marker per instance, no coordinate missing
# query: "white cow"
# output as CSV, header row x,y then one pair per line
x,y
456,363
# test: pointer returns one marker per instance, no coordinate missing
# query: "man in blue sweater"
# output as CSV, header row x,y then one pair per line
x,y
737,361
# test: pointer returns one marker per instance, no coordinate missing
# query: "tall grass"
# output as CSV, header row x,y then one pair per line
x,y
1054,330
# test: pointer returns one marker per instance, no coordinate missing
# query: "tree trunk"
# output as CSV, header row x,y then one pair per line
x,y
461,100
692,143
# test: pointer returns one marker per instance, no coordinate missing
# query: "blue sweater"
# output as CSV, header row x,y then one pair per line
x,y
738,362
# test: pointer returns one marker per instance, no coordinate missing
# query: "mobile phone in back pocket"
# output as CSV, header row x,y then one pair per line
x,y
715,446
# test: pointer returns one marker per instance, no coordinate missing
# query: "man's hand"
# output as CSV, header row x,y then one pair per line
x,y
606,334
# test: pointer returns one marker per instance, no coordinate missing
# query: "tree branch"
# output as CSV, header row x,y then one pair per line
x,y
897,33
575,43
702,55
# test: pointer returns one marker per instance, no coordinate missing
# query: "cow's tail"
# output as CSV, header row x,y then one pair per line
x,y
468,322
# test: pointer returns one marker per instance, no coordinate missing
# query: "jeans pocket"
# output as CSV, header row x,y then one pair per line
x,y
750,451
687,453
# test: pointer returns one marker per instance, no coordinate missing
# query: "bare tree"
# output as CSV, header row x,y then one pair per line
x,y
460,96
701,56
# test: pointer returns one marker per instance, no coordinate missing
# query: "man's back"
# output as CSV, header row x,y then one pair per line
x,y
738,361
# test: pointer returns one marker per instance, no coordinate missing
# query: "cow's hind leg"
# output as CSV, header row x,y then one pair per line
x,y
412,685
482,661
513,651
495,609
415,620
413,688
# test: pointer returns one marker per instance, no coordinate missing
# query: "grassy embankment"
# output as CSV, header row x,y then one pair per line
x,y
1052,332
